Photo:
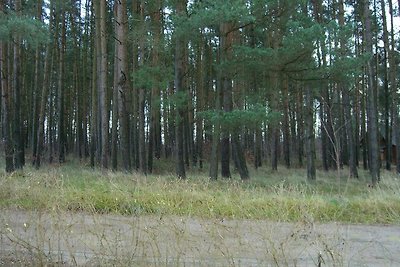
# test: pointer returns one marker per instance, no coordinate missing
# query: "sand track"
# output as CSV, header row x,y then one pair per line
x,y
68,239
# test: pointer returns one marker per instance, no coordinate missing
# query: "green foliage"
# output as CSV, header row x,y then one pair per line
x,y
28,29
346,68
149,77
210,14
251,117
293,55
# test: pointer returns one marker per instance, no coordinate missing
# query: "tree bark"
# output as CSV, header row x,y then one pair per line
x,y
310,136
36,93
180,91
393,88
6,102
142,102
285,124
114,118
154,150
102,83
347,106
44,96
387,94
215,142
226,39
18,139
123,87
61,93
372,114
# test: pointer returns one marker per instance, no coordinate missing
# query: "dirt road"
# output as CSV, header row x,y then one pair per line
x,y
68,239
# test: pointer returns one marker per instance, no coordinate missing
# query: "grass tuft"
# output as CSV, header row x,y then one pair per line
x,y
278,196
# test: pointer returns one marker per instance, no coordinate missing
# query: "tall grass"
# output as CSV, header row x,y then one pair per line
x,y
280,196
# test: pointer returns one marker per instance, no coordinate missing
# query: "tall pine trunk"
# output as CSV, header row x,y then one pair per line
x,y
36,96
372,113
226,40
155,102
142,102
347,107
44,96
114,117
180,91
5,104
18,137
102,84
61,93
393,88
122,85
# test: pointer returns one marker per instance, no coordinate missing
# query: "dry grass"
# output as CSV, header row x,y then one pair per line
x,y
278,196
73,215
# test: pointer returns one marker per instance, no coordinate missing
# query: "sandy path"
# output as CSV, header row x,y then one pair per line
x,y
32,238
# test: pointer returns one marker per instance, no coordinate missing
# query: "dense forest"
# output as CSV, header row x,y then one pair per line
x,y
122,84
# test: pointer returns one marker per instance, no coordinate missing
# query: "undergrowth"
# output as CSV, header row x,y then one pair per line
x,y
283,195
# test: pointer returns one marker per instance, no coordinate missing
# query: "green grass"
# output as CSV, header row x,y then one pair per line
x,y
280,196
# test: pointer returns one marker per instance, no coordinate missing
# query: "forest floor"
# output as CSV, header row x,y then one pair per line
x,y
31,238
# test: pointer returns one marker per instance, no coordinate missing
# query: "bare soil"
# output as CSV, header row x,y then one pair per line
x,y
30,238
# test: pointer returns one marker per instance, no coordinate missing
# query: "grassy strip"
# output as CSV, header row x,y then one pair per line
x,y
280,196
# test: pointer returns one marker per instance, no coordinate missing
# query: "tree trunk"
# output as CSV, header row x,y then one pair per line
x,y
102,83
114,118
36,98
61,94
142,102
180,91
373,144
226,40
94,126
387,94
240,159
215,142
347,107
134,131
123,89
300,126
200,93
393,88
6,102
44,96
19,145
285,124
310,136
